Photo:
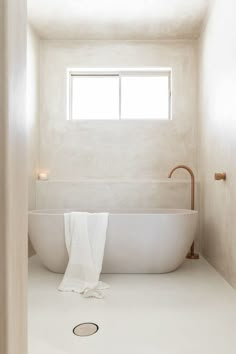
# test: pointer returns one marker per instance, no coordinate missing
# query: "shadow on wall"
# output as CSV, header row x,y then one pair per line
x,y
31,250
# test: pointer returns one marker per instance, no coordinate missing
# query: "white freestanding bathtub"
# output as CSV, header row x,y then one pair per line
x,y
148,241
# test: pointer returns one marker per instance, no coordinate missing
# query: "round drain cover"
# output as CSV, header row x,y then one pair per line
x,y
85,329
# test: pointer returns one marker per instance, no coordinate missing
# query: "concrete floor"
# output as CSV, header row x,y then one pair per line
x,y
190,311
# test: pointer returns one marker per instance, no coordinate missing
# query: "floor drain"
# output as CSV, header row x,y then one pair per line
x,y
85,329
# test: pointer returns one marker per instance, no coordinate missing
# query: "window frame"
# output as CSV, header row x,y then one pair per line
x,y
71,72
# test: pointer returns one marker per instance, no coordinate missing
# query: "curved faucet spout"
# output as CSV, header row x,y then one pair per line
x,y
192,181
191,254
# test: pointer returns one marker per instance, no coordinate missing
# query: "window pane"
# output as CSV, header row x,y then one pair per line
x,y
95,97
145,97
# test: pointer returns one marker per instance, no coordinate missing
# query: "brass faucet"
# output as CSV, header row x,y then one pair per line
x,y
191,254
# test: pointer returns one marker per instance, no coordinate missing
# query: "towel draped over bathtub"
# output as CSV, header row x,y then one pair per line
x,y
85,237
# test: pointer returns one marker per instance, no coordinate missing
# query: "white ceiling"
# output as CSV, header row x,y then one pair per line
x,y
117,19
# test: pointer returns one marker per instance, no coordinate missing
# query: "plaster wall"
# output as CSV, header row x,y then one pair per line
x,y
13,178
112,164
32,117
32,112
217,68
3,277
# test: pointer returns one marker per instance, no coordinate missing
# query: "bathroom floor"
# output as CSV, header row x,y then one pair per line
x,y
192,310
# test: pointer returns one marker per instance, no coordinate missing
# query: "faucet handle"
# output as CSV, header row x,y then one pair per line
x,y
220,176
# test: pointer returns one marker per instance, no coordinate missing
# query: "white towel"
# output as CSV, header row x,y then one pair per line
x,y
85,236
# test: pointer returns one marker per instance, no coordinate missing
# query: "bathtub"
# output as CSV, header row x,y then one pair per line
x,y
147,241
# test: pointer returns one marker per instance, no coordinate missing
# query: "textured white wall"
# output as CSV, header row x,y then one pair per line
x,y
13,178
3,276
32,111
122,152
116,149
218,137
32,116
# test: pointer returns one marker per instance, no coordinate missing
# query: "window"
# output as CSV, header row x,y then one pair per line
x,y
95,97
132,95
